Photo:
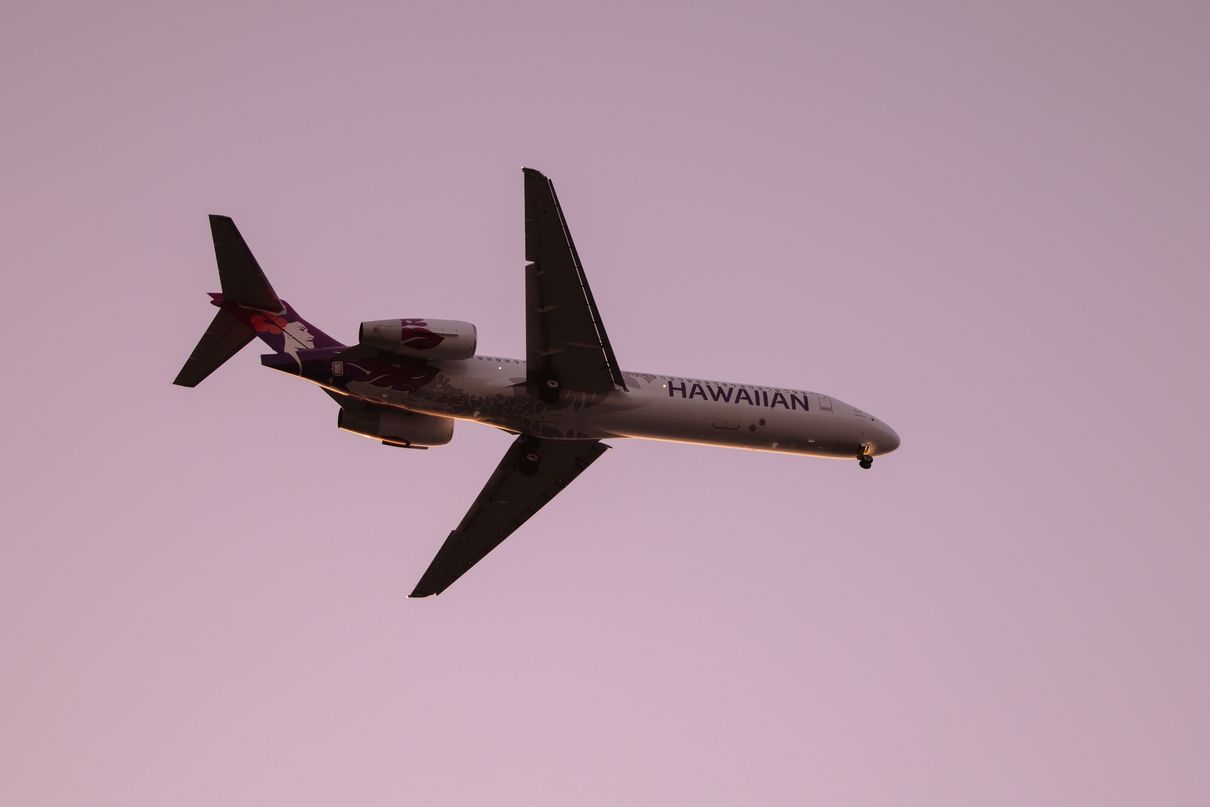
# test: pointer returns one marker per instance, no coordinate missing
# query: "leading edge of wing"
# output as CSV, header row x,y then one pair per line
x,y
516,490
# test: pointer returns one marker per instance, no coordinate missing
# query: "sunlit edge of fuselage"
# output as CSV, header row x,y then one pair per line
x,y
845,450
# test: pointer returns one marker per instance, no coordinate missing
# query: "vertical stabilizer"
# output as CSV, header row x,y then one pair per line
x,y
248,307
222,340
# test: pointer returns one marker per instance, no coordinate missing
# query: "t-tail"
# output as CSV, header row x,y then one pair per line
x,y
247,307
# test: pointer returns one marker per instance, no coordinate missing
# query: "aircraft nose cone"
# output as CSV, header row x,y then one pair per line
x,y
887,440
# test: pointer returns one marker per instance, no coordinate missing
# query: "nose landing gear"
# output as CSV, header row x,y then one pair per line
x,y
864,459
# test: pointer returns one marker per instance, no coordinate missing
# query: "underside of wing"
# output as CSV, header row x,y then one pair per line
x,y
532,472
566,344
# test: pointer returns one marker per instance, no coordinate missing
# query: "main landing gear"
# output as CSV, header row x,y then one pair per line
x,y
864,459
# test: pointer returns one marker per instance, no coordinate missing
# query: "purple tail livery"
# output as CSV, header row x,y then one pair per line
x,y
408,379
247,307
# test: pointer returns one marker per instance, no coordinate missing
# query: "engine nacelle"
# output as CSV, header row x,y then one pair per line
x,y
421,338
396,427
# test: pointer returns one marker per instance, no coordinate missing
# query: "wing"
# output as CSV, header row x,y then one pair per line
x,y
565,340
532,473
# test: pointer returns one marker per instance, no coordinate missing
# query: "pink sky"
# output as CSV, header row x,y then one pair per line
x,y
985,223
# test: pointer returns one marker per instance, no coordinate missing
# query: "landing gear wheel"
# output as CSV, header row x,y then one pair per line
x,y
550,391
865,461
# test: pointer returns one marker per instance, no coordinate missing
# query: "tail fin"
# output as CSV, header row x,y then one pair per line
x,y
222,340
248,307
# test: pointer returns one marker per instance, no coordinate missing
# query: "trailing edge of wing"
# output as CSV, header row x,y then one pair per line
x,y
517,489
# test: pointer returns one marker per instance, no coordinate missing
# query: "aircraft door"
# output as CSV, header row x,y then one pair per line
x,y
825,404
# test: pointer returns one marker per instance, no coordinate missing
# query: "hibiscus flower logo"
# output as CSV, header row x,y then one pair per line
x,y
416,335
268,323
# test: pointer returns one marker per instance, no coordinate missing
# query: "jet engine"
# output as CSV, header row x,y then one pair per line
x,y
420,338
397,428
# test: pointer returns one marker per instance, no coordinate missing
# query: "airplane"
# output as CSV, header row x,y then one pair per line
x,y
407,380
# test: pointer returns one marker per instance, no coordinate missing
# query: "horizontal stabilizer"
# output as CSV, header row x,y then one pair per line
x,y
222,340
248,307
239,273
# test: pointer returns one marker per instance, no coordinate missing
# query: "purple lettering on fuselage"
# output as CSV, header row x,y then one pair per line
x,y
728,393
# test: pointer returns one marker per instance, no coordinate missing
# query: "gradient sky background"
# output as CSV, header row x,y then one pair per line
x,y
986,224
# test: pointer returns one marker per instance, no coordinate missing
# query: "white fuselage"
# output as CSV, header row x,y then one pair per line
x,y
493,390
